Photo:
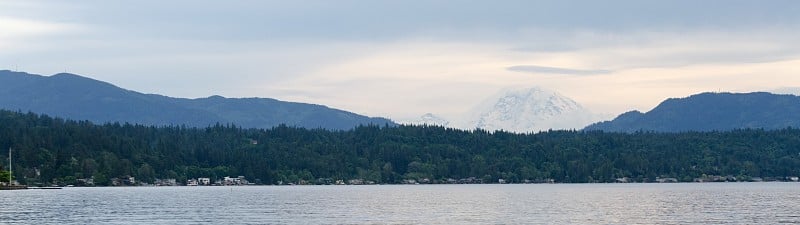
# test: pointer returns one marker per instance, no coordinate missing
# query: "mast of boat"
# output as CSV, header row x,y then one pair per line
x,y
9,166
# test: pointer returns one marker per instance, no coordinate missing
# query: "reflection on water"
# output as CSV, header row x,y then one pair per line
x,y
718,203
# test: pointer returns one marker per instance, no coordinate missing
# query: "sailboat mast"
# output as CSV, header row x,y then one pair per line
x,y
9,166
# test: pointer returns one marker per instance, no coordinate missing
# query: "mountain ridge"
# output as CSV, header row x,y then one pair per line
x,y
77,97
710,111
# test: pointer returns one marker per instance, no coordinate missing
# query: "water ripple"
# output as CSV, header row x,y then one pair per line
x,y
719,203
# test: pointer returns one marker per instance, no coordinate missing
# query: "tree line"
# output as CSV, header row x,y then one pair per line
x,y
50,150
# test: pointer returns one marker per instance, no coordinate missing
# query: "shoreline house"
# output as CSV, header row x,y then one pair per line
x,y
205,181
201,181
233,181
124,181
166,182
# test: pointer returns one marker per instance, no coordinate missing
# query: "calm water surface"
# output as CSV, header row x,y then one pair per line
x,y
717,203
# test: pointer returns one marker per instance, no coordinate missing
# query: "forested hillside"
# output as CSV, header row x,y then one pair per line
x,y
711,112
76,97
50,150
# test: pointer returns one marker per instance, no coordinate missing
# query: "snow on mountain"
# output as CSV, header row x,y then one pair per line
x,y
786,91
430,119
528,110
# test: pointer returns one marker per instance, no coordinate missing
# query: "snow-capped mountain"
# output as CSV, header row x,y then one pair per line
x,y
529,110
430,119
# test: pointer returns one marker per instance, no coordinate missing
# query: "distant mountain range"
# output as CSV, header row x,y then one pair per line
x,y
431,120
517,110
711,112
520,110
75,97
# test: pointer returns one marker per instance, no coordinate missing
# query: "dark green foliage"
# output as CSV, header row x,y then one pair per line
x,y
50,149
4,176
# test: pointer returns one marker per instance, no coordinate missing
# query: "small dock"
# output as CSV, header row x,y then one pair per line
x,y
45,188
14,187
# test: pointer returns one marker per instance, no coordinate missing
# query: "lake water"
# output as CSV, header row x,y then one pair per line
x,y
691,203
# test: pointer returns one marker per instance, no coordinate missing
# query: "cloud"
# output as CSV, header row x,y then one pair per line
x,y
556,70
641,50
421,56
23,28
28,35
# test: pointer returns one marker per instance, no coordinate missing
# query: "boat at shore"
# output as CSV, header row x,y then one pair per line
x,y
10,185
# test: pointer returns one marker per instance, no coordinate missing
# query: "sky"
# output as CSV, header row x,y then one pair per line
x,y
401,59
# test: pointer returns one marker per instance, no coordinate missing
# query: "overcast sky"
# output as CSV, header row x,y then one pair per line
x,y
400,59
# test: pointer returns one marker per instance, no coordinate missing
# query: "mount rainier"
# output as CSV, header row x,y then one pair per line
x,y
529,110
520,111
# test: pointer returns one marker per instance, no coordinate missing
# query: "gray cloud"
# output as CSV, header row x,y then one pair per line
x,y
356,19
242,48
556,70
